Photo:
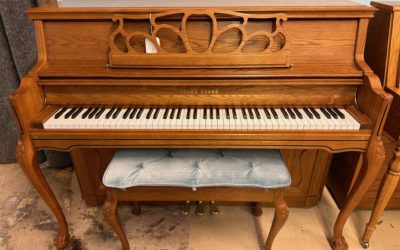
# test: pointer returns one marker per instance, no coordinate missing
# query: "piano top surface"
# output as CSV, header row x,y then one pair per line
x,y
202,3
104,6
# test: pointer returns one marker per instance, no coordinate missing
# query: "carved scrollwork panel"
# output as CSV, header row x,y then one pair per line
x,y
206,38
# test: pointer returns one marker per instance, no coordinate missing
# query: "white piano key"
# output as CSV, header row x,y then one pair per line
x,y
224,123
120,121
325,123
264,123
275,124
308,122
283,122
214,120
76,123
355,125
50,123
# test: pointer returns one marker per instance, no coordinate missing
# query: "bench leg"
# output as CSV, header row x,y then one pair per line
x,y
280,217
111,216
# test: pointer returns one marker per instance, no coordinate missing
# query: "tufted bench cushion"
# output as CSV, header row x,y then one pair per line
x,y
196,168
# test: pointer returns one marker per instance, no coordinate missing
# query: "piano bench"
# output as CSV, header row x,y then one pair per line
x,y
196,174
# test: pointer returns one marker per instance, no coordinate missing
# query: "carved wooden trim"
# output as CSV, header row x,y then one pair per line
x,y
268,57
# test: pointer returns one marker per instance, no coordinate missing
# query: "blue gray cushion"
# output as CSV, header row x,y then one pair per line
x,y
196,168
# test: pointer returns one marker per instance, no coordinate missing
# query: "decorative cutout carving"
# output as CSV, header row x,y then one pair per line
x,y
200,38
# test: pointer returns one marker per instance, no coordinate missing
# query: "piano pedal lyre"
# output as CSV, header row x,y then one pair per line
x,y
185,210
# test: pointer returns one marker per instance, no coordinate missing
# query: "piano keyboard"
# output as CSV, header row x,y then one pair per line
x,y
154,118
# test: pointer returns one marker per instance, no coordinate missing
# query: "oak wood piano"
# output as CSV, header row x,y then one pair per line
x,y
175,74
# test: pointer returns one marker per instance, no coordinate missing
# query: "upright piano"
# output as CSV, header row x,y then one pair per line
x,y
200,74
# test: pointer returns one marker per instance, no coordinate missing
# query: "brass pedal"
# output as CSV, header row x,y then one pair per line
x,y
185,210
200,208
214,210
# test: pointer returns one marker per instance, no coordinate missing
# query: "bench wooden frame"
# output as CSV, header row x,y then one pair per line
x,y
231,194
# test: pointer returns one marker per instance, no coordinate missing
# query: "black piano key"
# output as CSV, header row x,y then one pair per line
x,y
101,111
139,114
59,113
94,111
339,113
315,113
171,116
285,114
234,114
332,113
204,113
148,115
211,113
116,113
291,113
257,113
188,113
274,114
76,113
126,114
178,115
134,111
299,115
109,114
326,114
244,113
165,116
156,113
250,113
228,115
195,113
69,113
308,113
217,113
267,113
87,112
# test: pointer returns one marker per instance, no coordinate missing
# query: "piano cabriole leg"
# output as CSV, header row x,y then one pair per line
x,y
372,164
386,189
26,157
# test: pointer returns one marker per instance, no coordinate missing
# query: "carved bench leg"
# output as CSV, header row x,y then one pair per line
x,y
26,157
111,216
372,164
280,217
386,189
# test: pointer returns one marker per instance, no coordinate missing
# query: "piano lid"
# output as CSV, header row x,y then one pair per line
x,y
101,9
200,3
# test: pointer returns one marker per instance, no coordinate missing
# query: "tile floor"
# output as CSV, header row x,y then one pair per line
x,y
26,223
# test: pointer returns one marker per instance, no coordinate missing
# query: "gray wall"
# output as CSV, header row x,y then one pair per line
x,y
17,55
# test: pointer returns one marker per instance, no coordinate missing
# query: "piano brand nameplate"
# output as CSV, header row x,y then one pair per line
x,y
199,39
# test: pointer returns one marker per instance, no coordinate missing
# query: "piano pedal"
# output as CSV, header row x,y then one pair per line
x,y
136,210
185,210
200,208
214,210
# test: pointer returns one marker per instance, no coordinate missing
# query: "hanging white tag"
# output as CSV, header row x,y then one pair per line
x,y
150,47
